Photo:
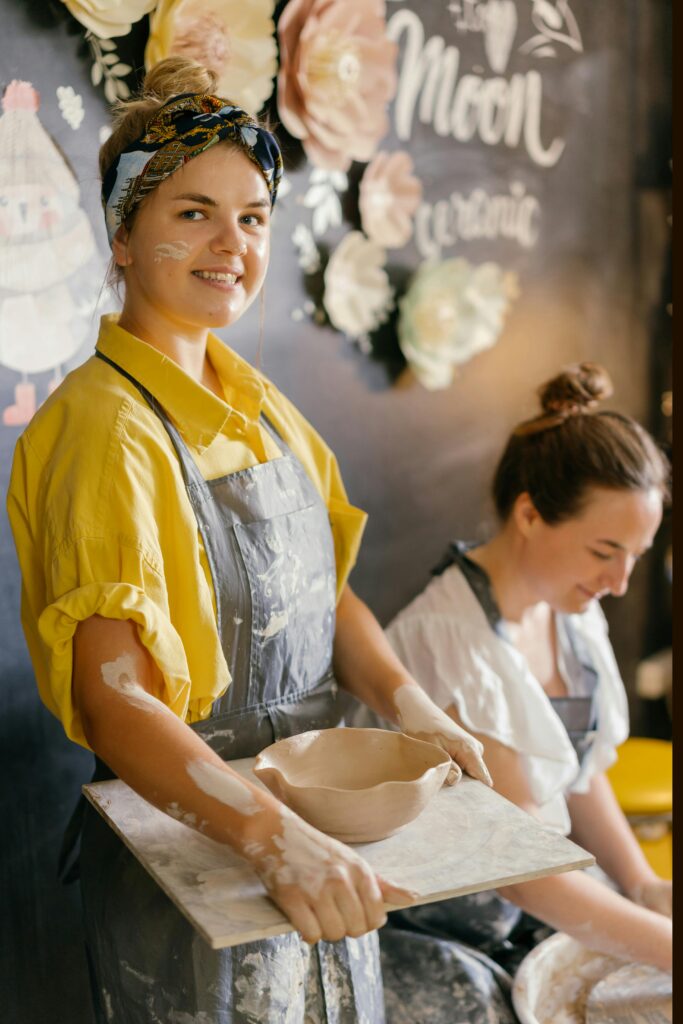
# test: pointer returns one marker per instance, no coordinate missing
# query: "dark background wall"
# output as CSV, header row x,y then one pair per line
x,y
592,286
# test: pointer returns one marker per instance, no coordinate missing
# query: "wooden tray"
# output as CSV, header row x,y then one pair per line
x,y
467,839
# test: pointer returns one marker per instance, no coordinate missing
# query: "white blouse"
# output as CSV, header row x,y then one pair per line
x,y
445,641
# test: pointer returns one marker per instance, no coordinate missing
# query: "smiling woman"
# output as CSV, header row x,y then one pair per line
x,y
185,542
510,641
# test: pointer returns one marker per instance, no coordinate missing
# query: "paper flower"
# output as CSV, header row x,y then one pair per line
x,y
358,296
107,18
451,311
389,196
337,74
234,38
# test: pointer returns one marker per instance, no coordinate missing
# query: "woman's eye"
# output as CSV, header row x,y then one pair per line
x,y
600,555
253,218
191,214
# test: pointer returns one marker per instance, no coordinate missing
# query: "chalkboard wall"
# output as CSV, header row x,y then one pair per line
x,y
537,172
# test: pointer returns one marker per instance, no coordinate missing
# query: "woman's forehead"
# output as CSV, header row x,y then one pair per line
x,y
222,172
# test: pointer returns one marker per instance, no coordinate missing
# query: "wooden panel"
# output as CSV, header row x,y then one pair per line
x,y
468,839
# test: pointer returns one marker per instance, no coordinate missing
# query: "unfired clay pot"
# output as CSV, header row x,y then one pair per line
x,y
357,785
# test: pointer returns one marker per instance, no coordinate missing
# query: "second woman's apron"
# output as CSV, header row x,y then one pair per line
x,y
463,952
269,547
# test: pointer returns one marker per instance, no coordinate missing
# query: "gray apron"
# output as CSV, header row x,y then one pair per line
x,y
269,546
455,960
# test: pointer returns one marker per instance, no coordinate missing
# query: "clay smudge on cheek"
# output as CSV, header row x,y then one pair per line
x,y
228,789
120,675
171,251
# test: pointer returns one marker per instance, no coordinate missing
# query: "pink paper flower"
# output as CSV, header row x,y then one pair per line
x,y
337,74
389,196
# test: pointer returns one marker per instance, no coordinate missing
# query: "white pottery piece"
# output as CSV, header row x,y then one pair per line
x,y
634,994
357,785
554,981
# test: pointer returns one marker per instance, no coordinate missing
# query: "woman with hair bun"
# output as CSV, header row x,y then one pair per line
x,y
185,541
510,641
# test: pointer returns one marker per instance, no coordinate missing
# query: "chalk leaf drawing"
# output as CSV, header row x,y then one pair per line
x,y
70,105
309,255
109,68
555,23
500,29
323,198
46,243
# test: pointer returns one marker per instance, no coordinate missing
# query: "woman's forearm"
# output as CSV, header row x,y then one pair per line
x,y
171,766
599,825
364,663
597,916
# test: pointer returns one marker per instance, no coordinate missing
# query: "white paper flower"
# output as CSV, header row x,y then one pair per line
x,y
451,311
235,38
358,296
107,18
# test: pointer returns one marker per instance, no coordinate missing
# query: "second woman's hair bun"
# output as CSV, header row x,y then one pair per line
x,y
577,388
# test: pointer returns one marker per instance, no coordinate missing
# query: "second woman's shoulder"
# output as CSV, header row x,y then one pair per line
x,y
447,598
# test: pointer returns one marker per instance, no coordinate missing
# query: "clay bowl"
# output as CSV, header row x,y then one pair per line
x,y
357,785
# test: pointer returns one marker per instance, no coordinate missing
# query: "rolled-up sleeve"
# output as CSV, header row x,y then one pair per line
x,y
103,576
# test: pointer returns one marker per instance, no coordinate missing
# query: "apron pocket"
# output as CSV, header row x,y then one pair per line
x,y
290,566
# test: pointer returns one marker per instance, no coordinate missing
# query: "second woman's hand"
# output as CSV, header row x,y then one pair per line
x,y
418,716
654,894
325,889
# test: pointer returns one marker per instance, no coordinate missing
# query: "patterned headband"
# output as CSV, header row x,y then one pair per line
x,y
184,127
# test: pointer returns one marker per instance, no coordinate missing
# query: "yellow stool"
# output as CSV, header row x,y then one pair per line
x,y
641,778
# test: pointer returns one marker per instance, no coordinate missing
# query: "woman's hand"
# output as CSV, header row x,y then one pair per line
x,y
655,894
418,716
325,889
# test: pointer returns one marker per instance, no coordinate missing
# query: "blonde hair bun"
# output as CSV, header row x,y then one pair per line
x,y
175,75
576,388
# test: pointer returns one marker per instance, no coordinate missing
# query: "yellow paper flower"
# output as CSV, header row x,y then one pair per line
x,y
235,38
108,18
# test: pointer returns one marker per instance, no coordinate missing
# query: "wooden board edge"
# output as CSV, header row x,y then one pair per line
x,y
91,796
284,927
272,930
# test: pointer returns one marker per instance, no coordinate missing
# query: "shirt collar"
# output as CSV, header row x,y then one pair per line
x,y
199,414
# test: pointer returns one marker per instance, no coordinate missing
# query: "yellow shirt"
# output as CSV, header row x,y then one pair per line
x,y
102,522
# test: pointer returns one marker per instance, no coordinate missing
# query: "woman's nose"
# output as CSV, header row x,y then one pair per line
x,y
230,239
618,576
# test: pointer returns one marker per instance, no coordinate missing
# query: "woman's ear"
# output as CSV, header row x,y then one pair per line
x,y
120,248
525,514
